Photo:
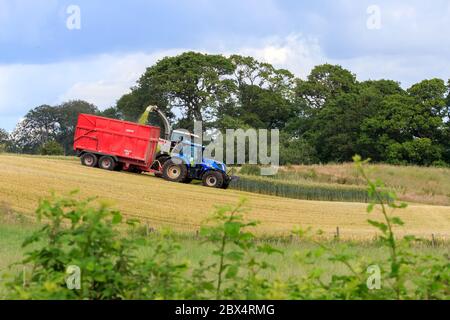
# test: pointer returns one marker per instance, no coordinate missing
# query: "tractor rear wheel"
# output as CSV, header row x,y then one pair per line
x,y
174,172
89,160
107,163
212,179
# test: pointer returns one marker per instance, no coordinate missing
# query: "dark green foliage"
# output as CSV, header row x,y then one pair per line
x,y
191,81
51,148
49,123
4,141
297,151
420,151
111,112
377,119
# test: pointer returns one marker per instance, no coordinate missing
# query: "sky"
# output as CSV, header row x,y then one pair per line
x,y
53,51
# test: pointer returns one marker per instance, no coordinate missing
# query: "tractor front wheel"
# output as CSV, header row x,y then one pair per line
x,y
212,179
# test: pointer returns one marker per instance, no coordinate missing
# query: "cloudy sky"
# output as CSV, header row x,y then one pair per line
x,y
52,51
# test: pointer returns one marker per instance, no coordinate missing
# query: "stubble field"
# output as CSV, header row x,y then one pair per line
x,y
26,179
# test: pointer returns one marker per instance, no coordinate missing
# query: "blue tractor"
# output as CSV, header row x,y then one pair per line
x,y
180,160
184,166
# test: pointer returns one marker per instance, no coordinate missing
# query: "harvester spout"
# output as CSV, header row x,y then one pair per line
x,y
167,126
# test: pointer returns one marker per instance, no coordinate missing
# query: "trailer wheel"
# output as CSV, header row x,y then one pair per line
x,y
174,172
212,179
89,160
107,163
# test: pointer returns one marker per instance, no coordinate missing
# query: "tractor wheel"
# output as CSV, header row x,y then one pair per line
x,y
225,185
174,172
226,182
89,160
212,179
106,163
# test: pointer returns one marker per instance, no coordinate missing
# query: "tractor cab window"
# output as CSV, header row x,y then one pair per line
x,y
178,135
197,153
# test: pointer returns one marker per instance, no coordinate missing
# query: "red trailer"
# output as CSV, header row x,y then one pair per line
x,y
114,144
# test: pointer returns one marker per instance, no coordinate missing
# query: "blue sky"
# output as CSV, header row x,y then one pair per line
x,y
42,61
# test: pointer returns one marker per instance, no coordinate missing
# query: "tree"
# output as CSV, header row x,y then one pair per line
x,y
112,113
38,126
335,129
4,140
49,123
329,112
296,151
193,82
405,122
448,96
67,119
325,82
421,151
264,94
431,95
51,148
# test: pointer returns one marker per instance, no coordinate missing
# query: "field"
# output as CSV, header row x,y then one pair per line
x,y
26,179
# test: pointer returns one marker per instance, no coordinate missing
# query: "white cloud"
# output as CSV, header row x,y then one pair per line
x,y
108,77
294,52
100,79
299,55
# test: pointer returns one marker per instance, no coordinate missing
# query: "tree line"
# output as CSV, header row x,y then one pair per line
x,y
327,117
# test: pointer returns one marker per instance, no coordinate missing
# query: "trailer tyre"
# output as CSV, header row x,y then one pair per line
x,y
107,163
212,179
174,172
89,160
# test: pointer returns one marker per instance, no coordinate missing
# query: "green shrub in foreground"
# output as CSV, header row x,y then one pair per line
x,y
90,237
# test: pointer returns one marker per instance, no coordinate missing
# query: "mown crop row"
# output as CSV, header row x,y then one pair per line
x,y
303,191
